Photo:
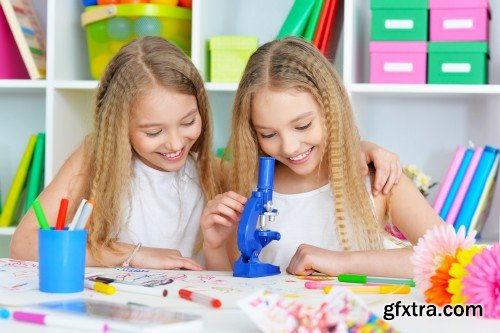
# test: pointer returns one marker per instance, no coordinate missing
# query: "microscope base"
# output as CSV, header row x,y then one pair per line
x,y
254,268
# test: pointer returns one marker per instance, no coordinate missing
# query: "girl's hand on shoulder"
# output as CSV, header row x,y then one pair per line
x,y
388,168
154,258
220,217
309,259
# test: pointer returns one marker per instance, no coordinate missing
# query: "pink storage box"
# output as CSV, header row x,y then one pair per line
x,y
459,20
398,62
11,63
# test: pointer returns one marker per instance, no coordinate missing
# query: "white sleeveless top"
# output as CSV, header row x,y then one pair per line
x,y
165,208
307,218
303,218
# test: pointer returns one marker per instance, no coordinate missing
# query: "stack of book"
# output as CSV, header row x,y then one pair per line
x,y
466,192
22,55
313,20
27,183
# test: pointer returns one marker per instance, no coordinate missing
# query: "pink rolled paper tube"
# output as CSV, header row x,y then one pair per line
x,y
462,190
448,180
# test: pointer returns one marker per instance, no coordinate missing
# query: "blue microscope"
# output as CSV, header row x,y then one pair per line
x,y
252,233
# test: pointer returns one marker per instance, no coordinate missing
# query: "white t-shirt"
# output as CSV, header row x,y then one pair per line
x,y
165,208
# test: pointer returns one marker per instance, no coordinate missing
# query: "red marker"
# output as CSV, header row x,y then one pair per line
x,y
61,217
200,298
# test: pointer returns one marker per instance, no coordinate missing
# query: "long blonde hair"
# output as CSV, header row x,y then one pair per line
x,y
136,68
292,63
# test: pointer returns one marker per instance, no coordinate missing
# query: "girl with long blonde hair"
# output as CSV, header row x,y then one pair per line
x,y
147,165
292,105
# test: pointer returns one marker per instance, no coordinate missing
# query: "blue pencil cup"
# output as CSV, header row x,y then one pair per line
x,y
61,256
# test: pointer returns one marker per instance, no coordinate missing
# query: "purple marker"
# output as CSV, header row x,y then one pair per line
x,y
60,321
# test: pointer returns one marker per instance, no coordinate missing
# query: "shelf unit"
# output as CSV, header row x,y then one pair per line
x,y
422,123
412,120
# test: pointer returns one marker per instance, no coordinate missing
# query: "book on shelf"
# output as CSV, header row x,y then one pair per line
x,y
297,19
326,38
456,183
28,35
35,177
464,186
318,34
476,188
11,62
18,184
483,207
313,20
448,179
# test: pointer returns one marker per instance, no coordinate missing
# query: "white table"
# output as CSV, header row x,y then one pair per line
x,y
233,320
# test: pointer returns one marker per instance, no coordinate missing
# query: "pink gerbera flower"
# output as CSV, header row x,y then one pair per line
x,y
433,247
482,284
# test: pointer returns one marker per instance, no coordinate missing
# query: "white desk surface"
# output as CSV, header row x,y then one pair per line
x,y
234,320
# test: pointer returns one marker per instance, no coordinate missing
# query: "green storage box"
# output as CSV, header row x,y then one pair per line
x,y
458,63
229,56
399,20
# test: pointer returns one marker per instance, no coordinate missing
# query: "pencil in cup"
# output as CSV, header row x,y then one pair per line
x,y
85,215
61,216
40,215
385,289
73,223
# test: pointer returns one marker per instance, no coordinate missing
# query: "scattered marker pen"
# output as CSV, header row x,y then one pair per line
x,y
100,287
4,313
60,321
317,284
386,289
130,287
353,278
200,298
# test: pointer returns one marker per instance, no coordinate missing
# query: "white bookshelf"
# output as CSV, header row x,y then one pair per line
x,y
422,123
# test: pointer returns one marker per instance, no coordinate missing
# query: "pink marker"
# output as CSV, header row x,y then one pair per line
x,y
60,321
200,298
317,284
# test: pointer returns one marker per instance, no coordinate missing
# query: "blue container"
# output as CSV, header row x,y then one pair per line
x,y
61,256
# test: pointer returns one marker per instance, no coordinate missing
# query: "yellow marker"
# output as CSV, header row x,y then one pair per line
x,y
386,289
100,287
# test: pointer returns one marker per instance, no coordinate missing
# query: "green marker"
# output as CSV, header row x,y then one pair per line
x,y
352,278
40,215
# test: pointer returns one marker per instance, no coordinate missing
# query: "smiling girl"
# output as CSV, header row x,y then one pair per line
x,y
152,139
292,105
